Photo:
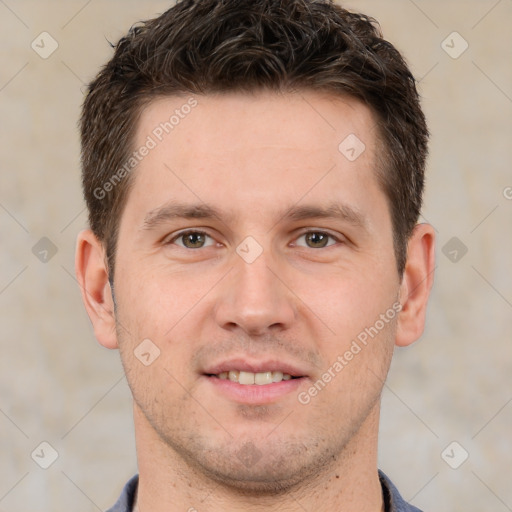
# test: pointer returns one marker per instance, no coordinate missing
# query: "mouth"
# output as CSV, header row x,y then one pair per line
x,y
249,378
247,382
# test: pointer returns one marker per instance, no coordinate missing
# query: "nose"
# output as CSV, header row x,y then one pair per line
x,y
255,298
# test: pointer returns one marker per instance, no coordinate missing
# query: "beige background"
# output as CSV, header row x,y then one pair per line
x,y
58,385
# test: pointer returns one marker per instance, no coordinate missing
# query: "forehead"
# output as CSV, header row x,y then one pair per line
x,y
304,120
260,151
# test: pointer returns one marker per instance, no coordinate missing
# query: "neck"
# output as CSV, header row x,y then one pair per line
x,y
168,482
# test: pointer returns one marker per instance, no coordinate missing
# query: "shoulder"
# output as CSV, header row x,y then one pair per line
x,y
126,500
392,499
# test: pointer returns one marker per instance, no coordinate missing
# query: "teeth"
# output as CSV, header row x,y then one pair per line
x,y
277,376
263,378
248,378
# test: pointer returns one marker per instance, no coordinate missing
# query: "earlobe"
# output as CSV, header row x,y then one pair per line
x,y
416,284
92,275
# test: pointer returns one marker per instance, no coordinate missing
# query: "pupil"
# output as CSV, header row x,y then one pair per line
x,y
194,240
317,239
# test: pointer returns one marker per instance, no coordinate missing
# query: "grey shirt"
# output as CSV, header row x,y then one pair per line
x,y
393,502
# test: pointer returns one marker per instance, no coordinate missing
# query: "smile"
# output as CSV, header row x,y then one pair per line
x,y
248,378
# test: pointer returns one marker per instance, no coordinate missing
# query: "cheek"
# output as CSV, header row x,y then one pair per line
x,y
152,304
361,315
349,301
159,319
150,321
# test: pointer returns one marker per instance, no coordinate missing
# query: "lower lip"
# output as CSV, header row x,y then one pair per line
x,y
254,393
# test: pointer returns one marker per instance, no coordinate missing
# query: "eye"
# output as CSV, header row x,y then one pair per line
x,y
316,240
192,240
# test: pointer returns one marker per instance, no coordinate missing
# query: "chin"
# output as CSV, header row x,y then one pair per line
x,y
261,468
266,479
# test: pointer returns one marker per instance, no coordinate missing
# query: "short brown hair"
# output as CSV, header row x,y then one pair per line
x,y
208,46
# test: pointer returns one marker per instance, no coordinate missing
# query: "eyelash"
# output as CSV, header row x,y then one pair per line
x,y
199,232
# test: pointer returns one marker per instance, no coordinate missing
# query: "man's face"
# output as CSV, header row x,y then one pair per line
x,y
225,262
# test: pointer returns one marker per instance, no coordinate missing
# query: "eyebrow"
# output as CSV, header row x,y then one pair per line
x,y
339,211
170,212
173,211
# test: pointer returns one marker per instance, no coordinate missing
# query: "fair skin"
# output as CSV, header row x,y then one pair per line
x,y
212,444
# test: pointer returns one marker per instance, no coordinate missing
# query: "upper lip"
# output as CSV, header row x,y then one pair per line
x,y
254,366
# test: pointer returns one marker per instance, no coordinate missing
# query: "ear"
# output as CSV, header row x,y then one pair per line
x,y
92,274
416,284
